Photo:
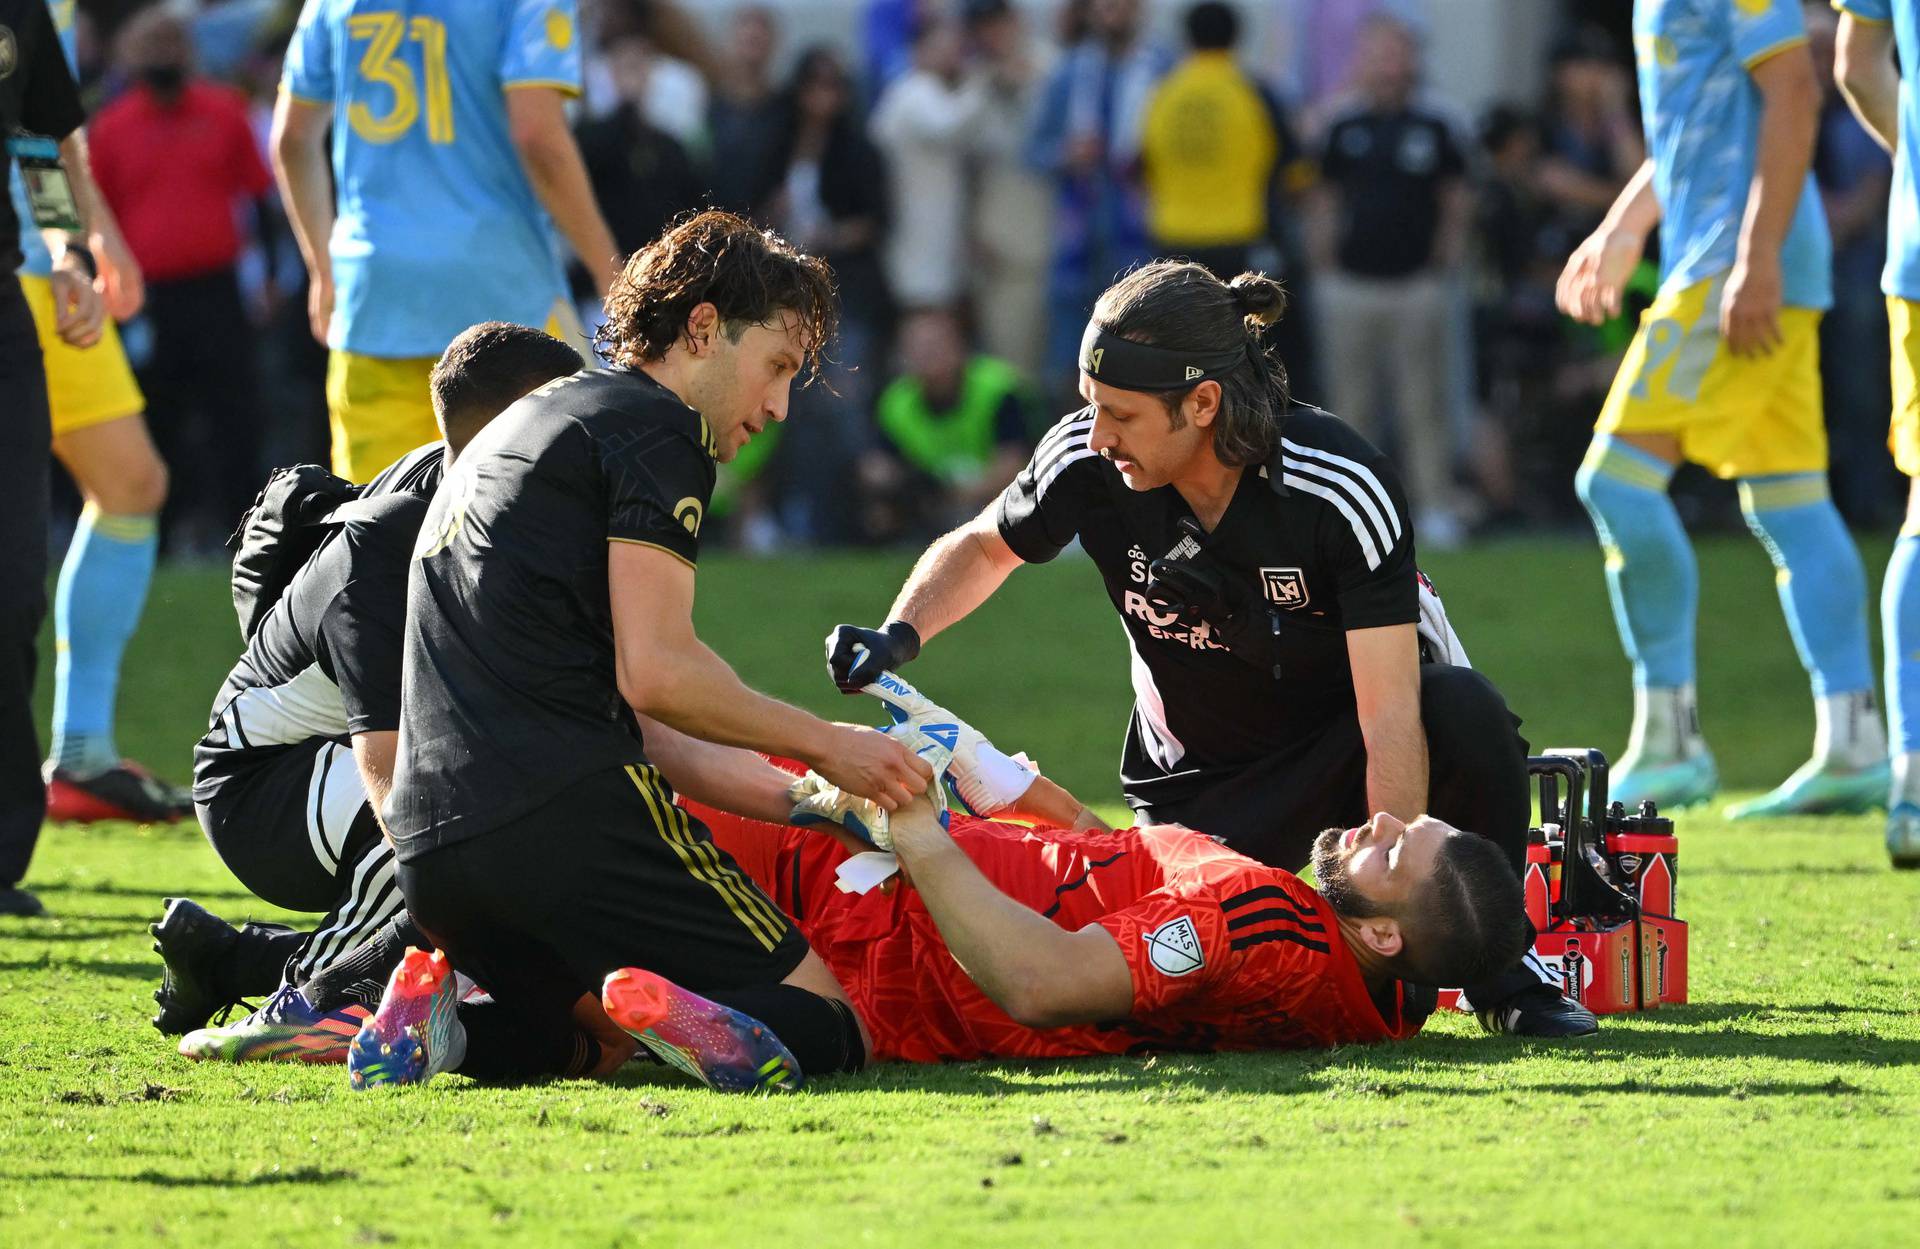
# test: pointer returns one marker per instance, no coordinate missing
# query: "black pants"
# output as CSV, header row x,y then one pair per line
x,y
1476,781
609,874
203,402
26,435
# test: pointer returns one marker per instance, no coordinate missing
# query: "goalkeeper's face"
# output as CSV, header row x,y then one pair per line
x,y
1379,868
745,379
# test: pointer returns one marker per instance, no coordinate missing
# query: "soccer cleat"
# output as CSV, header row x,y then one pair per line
x,y
411,1038
125,791
1903,836
716,1045
981,778
190,941
1672,785
1540,1011
1817,789
286,1029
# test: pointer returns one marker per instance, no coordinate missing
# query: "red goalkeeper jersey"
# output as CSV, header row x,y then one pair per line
x,y
1225,953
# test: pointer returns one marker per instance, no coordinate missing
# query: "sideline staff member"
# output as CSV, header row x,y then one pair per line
x,y
37,95
552,674
1266,581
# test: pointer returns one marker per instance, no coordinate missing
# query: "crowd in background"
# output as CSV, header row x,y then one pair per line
x,y
976,177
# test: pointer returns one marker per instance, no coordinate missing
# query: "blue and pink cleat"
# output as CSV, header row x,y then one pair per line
x,y
411,1037
715,1044
286,1029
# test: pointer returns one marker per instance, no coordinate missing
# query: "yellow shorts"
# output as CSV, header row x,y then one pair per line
x,y
1903,434
379,408
85,385
1734,417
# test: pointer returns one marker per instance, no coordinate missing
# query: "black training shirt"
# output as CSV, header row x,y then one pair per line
x,y
510,688
1332,546
36,95
1390,169
325,661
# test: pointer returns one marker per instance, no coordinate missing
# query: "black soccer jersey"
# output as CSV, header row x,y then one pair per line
x,y
325,661
1329,543
510,687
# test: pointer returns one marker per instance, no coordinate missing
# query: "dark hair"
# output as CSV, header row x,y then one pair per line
x,y
748,274
1468,920
1179,304
1213,26
487,368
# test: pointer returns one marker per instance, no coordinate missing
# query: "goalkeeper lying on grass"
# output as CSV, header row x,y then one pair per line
x,y
1017,942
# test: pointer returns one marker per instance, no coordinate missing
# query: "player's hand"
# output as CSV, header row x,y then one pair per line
x,y
856,657
1594,280
983,778
77,308
1750,308
119,283
319,304
859,824
869,764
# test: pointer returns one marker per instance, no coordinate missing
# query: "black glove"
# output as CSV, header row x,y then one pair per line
x,y
1196,589
889,646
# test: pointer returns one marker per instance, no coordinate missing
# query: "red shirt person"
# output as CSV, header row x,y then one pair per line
x,y
1217,950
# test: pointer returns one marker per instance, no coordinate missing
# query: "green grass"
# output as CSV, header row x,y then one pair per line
x,y
1782,1106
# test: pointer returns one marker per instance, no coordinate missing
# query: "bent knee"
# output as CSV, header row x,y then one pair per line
x,y
1456,700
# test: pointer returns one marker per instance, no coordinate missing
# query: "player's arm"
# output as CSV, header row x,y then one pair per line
x,y
1048,803
1386,692
373,754
299,146
726,777
537,121
1040,974
1864,69
77,309
1789,123
666,673
119,279
1595,277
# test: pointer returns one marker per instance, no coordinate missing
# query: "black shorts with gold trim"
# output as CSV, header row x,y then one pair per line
x,y
609,874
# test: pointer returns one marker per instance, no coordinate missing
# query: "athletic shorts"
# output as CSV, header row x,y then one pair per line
x,y
291,826
379,407
1903,434
610,874
1735,417
85,385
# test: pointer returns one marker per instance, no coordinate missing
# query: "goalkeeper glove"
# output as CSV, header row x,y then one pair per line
x,y
817,800
856,657
981,778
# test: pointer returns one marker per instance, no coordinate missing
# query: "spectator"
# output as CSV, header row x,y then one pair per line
x,y
1088,138
1593,139
176,159
743,117
887,32
1390,225
641,175
676,99
954,430
1854,176
923,125
1013,203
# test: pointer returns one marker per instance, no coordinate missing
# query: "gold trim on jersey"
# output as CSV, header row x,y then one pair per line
x,y
656,546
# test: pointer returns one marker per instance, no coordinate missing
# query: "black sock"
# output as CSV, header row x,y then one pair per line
x,y
504,1046
821,1033
361,975
253,965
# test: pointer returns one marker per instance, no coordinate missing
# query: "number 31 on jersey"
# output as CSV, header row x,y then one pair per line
x,y
382,64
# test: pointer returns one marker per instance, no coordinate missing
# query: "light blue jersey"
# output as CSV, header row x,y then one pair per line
x,y
437,227
1902,274
38,260
1702,116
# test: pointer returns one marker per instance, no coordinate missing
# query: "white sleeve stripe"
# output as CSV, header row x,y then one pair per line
x,y
1059,466
1044,461
1360,472
1345,486
1360,529
1062,436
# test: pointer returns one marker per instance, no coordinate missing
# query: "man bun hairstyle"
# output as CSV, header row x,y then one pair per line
x,y
750,275
485,369
1468,921
1180,306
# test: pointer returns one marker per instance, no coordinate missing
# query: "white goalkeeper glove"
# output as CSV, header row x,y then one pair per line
x,y
817,800
981,778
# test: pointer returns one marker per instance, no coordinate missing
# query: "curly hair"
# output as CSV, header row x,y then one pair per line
x,y
748,274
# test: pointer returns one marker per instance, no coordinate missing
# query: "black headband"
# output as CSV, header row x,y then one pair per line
x,y
1122,363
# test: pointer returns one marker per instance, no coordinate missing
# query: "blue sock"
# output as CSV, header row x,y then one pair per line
x,y
1900,633
103,586
1823,586
1650,570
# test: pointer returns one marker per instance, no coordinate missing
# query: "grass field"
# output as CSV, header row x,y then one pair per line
x,y
1782,1106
